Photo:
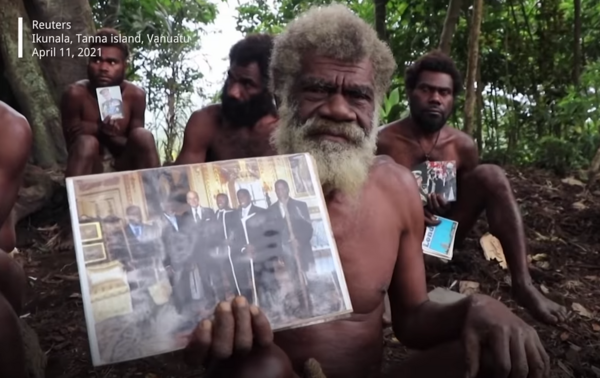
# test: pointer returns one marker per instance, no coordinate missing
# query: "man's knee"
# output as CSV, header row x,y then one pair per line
x,y
264,362
142,139
85,147
491,177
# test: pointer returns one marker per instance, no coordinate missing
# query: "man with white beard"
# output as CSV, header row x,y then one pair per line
x,y
330,73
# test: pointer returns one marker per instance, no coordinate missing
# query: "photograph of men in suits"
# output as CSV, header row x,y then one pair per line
x,y
256,250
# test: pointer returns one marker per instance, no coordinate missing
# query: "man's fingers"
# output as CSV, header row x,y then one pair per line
x,y
543,355
472,353
500,349
430,219
243,325
535,362
223,331
263,334
197,350
519,367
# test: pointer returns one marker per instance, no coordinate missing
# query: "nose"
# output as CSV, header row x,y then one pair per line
x,y
337,109
234,91
103,67
435,98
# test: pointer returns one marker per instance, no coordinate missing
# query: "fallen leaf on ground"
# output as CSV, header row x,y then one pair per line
x,y
75,295
581,310
539,257
543,265
544,289
572,181
578,205
565,368
492,249
564,336
571,284
596,327
468,287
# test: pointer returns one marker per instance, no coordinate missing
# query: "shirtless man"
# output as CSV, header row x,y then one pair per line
x,y
91,141
14,152
432,84
331,72
241,125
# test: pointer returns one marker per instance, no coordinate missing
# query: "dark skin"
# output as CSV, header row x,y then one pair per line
x,y
239,341
15,148
14,152
13,284
88,136
480,187
209,136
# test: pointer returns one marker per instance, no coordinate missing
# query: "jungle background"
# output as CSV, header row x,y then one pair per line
x,y
531,101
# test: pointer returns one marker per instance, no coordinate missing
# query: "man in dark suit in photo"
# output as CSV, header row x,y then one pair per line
x,y
198,213
256,241
295,229
143,239
182,262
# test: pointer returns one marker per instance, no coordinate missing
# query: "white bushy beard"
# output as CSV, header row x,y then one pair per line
x,y
341,166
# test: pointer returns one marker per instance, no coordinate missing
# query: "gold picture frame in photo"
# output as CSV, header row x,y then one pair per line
x,y
90,232
93,253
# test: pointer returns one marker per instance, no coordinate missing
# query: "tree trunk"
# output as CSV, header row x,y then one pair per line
x,y
380,14
63,69
577,42
472,65
31,90
593,170
479,107
452,16
112,14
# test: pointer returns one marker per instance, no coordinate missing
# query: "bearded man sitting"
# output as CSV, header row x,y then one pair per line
x,y
330,72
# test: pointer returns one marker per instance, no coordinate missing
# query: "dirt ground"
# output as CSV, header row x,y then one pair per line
x,y
561,226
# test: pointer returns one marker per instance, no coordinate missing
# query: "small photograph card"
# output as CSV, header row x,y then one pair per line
x,y
437,177
439,240
110,102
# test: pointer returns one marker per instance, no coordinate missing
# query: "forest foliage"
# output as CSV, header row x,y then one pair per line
x,y
536,76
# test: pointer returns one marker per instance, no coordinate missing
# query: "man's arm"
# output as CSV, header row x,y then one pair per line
x,y
197,137
136,120
468,154
417,322
15,147
70,111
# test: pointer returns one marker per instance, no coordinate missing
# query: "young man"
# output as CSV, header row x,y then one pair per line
x,y
15,148
97,145
241,125
330,72
432,84
20,353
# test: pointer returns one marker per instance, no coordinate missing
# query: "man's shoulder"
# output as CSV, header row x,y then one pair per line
x,y
14,124
77,88
389,175
133,90
458,135
392,127
209,114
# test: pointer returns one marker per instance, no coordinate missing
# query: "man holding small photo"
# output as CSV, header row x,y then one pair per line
x,y
98,144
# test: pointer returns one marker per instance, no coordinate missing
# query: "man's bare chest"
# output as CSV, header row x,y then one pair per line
x,y
368,245
239,144
410,154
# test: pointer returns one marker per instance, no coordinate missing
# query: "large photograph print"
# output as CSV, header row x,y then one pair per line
x,y
157,249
